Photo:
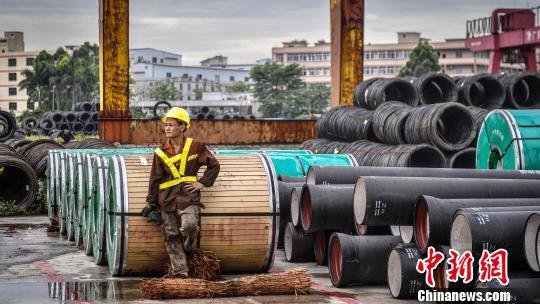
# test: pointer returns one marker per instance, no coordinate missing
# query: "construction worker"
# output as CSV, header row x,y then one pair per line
x,y
174,192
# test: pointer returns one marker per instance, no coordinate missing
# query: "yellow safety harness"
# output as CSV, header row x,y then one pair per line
x,y
178,174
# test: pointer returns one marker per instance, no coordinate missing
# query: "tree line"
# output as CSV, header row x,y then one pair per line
x,y
57,81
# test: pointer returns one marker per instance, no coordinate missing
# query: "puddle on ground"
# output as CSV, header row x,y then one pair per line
x,y
66,292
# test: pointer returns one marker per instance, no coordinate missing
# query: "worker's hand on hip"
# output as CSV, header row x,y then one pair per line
x,y
192,187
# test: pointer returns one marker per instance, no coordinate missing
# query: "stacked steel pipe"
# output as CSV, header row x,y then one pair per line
x,y
427,207
433,109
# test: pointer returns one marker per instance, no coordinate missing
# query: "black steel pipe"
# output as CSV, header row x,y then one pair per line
x,y
349,175
448,126
359,259
435,88
473,230
483,90
522,90
320,246
404,281
383,200
406,233
441,277
284,190
433,216
296,195
390,89
532,241
372,230
327,207
298,245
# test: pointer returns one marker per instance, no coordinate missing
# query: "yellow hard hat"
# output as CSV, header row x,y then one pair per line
x,y
177,113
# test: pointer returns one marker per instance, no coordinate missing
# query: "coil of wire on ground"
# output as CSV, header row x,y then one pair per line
x,y
522,90
359,96
389,121
448,126
391,89
483,90
90,144
324,146
36,154
346,123
435,88
8,125
380,155
465,159
18,181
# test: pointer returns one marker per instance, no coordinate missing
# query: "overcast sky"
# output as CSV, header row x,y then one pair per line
x,y
243,30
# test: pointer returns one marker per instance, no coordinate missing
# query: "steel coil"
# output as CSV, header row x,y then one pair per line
x,y
8,125
346,123
36,154
483,90
392,89
448,126
435,88
389,122
522,90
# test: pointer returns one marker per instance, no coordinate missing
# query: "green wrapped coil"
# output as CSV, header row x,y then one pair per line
x,y
510,140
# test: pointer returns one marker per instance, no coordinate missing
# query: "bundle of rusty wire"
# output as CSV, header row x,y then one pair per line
x,y
297,281
202,265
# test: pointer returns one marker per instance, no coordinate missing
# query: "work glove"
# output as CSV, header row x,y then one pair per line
x,y
151,212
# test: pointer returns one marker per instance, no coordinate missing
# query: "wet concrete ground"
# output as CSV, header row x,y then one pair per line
x,y
37,266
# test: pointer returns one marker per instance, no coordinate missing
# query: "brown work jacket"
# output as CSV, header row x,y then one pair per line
x,y
178,197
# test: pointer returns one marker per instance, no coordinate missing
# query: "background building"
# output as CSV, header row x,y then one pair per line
x,y
315,59
214,75
13,61
385,60
217,102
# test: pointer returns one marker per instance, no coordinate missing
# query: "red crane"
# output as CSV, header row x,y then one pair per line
x,y
506,31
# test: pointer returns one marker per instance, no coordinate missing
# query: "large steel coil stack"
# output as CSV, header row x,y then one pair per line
x,y
376,223
83,120
431,112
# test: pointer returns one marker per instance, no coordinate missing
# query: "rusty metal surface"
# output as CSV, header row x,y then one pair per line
x,y
114,70
347,48
228,132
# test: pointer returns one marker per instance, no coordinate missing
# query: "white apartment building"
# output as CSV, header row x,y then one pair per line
x,y
148,71
217,102
151,55
385,59
13,61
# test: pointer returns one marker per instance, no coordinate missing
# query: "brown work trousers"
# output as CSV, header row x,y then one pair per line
x,y
178,226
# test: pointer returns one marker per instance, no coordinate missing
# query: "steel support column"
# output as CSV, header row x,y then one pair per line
x,y
114,118
347,48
